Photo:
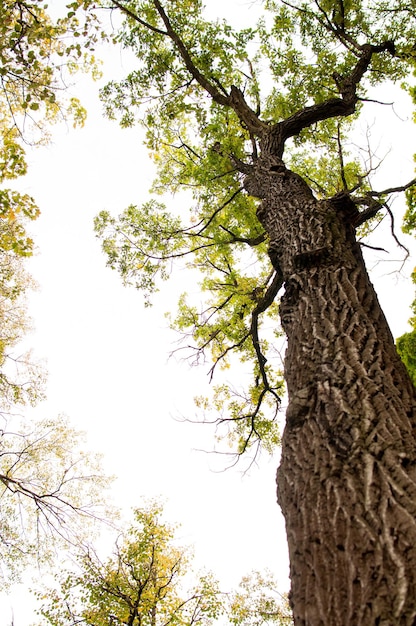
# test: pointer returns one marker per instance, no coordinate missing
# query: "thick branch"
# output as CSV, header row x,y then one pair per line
x,y
236,98
374,205
249,117
190,66
333,107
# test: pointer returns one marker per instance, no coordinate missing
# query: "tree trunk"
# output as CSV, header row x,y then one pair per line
x,y
347,479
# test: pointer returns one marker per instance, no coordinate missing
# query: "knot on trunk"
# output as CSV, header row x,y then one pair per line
x,y
300,405
346,207
257,183
311,258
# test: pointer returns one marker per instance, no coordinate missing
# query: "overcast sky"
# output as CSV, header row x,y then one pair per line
x,y
107,355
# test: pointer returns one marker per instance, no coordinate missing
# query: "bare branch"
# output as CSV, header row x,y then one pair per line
x,y
374,206
393,231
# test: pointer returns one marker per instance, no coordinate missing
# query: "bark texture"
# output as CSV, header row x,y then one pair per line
x,y
347,479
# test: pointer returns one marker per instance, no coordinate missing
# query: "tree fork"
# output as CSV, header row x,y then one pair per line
x,y
347,479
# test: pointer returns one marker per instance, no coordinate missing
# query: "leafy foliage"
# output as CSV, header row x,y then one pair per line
x,y
21,378
36,56
406,343
36,52
142,583
406,347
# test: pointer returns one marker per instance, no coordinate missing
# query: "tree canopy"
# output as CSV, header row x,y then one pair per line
x,y
207,96
37,55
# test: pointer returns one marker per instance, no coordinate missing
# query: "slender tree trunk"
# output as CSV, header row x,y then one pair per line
x,y
347,479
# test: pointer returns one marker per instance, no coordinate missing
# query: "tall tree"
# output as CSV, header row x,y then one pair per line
x,y
257,602
271,180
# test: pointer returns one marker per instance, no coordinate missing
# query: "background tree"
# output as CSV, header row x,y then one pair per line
x,y
141,584
406,344
51,492
276,199
50,488
21,378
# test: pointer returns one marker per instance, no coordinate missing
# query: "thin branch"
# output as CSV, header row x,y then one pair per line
x,y
338,30
228,349
265,302
341,158
374,206
220,208
376,248
393,232
390,190
250,241
137,19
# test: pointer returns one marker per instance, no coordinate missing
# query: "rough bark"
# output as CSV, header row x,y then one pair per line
x,y
347,479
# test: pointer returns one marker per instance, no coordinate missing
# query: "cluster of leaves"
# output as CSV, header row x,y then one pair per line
x,y
143,584
197,92
21,378
35,53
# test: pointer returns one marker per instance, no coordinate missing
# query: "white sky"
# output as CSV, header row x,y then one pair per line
x,y
107,355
